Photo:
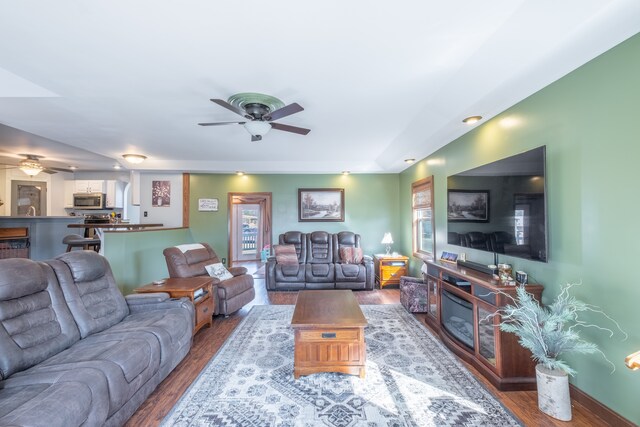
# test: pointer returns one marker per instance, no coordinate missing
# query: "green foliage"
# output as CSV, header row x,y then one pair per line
x,y
551,331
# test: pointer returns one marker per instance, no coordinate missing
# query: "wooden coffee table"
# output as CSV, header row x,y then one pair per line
x,y
329,333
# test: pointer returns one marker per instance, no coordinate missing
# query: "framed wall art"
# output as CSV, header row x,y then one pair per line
x,y
321,204
160,194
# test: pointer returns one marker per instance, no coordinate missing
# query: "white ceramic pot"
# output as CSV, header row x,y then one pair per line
x,y
553,393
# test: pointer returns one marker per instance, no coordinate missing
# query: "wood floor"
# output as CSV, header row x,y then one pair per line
x,y
207,342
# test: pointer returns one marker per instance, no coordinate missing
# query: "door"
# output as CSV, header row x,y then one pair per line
x,y
249,226
247,234
28,198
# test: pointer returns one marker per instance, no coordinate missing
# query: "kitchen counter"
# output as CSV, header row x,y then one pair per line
x,y
45,233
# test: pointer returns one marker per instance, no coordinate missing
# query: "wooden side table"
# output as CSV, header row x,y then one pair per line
x,y
187,287
390,268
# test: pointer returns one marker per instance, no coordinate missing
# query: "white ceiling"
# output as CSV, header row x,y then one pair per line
x,y
380,81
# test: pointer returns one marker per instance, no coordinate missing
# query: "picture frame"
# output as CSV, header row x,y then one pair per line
x,y
161,194
207,205
468,206
321,205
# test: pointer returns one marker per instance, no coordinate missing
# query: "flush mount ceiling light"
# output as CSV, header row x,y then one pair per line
x,y
471,120
409,161
134,158
30,167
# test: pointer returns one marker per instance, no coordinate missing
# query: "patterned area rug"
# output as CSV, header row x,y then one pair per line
x,y
411,380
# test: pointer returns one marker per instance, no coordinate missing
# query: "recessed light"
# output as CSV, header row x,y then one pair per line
x,y
239,173
134,158
472,119
409,161
72,167
345,173
117,166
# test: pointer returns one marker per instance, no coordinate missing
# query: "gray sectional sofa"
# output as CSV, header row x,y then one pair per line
x,y
319,264
74,351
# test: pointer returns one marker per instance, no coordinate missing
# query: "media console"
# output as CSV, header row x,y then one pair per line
x,y
462,304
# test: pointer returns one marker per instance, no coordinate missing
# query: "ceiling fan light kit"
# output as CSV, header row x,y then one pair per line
x,y
134,158
259,112
31,167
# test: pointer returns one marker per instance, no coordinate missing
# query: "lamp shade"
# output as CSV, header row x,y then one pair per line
x,y
387,239
257,127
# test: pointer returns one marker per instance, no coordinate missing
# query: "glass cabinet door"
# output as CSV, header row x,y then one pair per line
x,y
487,335
432,297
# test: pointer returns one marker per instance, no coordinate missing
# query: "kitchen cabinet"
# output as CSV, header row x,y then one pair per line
x,y
115,196
89,186
69,189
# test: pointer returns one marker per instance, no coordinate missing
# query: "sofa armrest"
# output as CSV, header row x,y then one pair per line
x,y
237,271
139,303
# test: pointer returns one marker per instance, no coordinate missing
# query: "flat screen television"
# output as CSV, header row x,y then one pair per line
x,y
501,207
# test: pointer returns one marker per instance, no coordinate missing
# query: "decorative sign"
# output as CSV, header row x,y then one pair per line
x,y
208,205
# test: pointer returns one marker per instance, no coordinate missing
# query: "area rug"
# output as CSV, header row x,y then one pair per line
x,y
411,380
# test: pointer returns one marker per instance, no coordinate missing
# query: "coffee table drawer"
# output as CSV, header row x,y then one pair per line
x,y
330,335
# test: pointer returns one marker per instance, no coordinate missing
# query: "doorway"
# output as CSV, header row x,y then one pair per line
x,y
28,198
249,226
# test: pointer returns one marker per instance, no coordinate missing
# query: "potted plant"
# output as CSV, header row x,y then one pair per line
x,y
551,332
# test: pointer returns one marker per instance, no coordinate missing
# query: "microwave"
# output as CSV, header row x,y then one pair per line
x,y
88,201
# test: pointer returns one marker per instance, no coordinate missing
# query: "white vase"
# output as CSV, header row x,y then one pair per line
x,y
553,393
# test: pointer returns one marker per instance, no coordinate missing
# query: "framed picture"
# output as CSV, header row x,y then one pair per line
x,y
160,194
468,206
320,204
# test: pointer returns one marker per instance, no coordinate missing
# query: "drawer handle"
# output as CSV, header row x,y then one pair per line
x,y
328,335
204,310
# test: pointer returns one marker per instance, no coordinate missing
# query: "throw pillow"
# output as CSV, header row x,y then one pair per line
x,y
351,255
218,271
286,254
346,254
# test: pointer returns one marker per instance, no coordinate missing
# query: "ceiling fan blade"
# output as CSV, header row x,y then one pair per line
x,y
285,111
289,128
221,123
50,171
255,138
54,170
225,104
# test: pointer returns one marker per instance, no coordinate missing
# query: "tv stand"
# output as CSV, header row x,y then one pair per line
x,y
461,309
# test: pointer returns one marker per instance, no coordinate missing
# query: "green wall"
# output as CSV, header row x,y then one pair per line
x,y
371,205
588,121
136,257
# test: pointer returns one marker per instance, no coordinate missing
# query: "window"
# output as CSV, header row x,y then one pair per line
x,y
422,211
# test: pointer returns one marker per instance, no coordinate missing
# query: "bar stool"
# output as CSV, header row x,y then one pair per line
x,y
76,241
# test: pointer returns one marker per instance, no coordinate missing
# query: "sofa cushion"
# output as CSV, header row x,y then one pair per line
x,y
35,322
298,240
286,254
64,398
319,247
90,291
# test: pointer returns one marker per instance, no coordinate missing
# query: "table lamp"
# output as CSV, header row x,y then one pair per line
x,y
387,240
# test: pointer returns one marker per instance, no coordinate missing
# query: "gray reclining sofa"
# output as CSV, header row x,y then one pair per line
x,y
74,351
319,264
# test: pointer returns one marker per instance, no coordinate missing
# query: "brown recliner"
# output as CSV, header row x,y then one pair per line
x,y
232,293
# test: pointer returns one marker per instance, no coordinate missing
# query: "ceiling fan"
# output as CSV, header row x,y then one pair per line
x,y
31,165
259,112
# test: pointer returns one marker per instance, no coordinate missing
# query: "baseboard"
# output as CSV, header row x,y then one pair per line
x,y
598,408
